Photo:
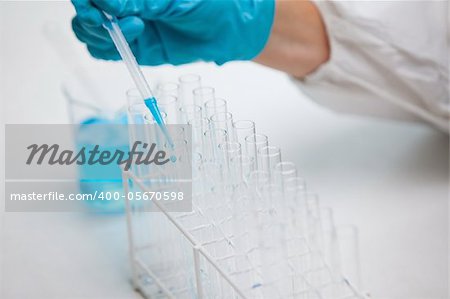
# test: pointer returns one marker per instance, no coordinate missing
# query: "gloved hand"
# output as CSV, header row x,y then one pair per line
x,y
178,31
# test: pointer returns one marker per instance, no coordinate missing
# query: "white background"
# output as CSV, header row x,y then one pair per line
x,y
390,179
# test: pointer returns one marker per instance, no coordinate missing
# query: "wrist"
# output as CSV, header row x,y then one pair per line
x,y
298,43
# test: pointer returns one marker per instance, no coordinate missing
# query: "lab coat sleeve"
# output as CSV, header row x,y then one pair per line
x,y
388,59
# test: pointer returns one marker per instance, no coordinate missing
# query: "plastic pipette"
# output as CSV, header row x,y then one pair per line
x,y
125,52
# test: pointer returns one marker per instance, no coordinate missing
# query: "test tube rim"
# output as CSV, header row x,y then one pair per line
x,y
271,151
208,103
238,146
198,123
198,91
133,90
133,97
161,102
186,78
182,108
229,116
253,125
211,130
152,122
282,164
161,86
297,186
256,137
142,108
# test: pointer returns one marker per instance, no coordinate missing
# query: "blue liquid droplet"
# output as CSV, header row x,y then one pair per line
x,y
173,159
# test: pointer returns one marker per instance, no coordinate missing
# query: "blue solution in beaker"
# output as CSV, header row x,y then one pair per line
x,y
102,181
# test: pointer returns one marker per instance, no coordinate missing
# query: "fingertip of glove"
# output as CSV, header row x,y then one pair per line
x,y
78,28
112,7
102,54
132,27
132,23
90,17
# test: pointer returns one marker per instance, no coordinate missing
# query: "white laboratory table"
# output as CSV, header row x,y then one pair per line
x,y
390,179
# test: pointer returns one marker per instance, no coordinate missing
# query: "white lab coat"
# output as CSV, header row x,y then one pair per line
x,y
388,59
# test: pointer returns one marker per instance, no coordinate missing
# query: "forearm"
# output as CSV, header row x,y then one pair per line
x,y
298,43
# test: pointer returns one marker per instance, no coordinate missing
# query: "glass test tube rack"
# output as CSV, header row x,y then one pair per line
x,y
254,231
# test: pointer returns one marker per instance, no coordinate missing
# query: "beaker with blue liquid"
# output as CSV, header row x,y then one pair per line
x,y
104,126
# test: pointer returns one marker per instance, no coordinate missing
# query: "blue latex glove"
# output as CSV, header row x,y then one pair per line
x,y
178,31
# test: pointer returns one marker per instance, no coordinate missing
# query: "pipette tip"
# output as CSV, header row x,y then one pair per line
x,y
153,107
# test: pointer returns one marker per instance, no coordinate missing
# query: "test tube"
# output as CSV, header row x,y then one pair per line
x,y
180,150
252,145
168,88
136,107
215,106
331,250
199,126
348,241
269,156
180,157
224,121
203,94
285,172
248,166
188,83
242,129
314,222
169,105
153,133
152,174
258,178
189,113
136,113
295,193
211,174
231,153
231,150
297,185
273,242
212,139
